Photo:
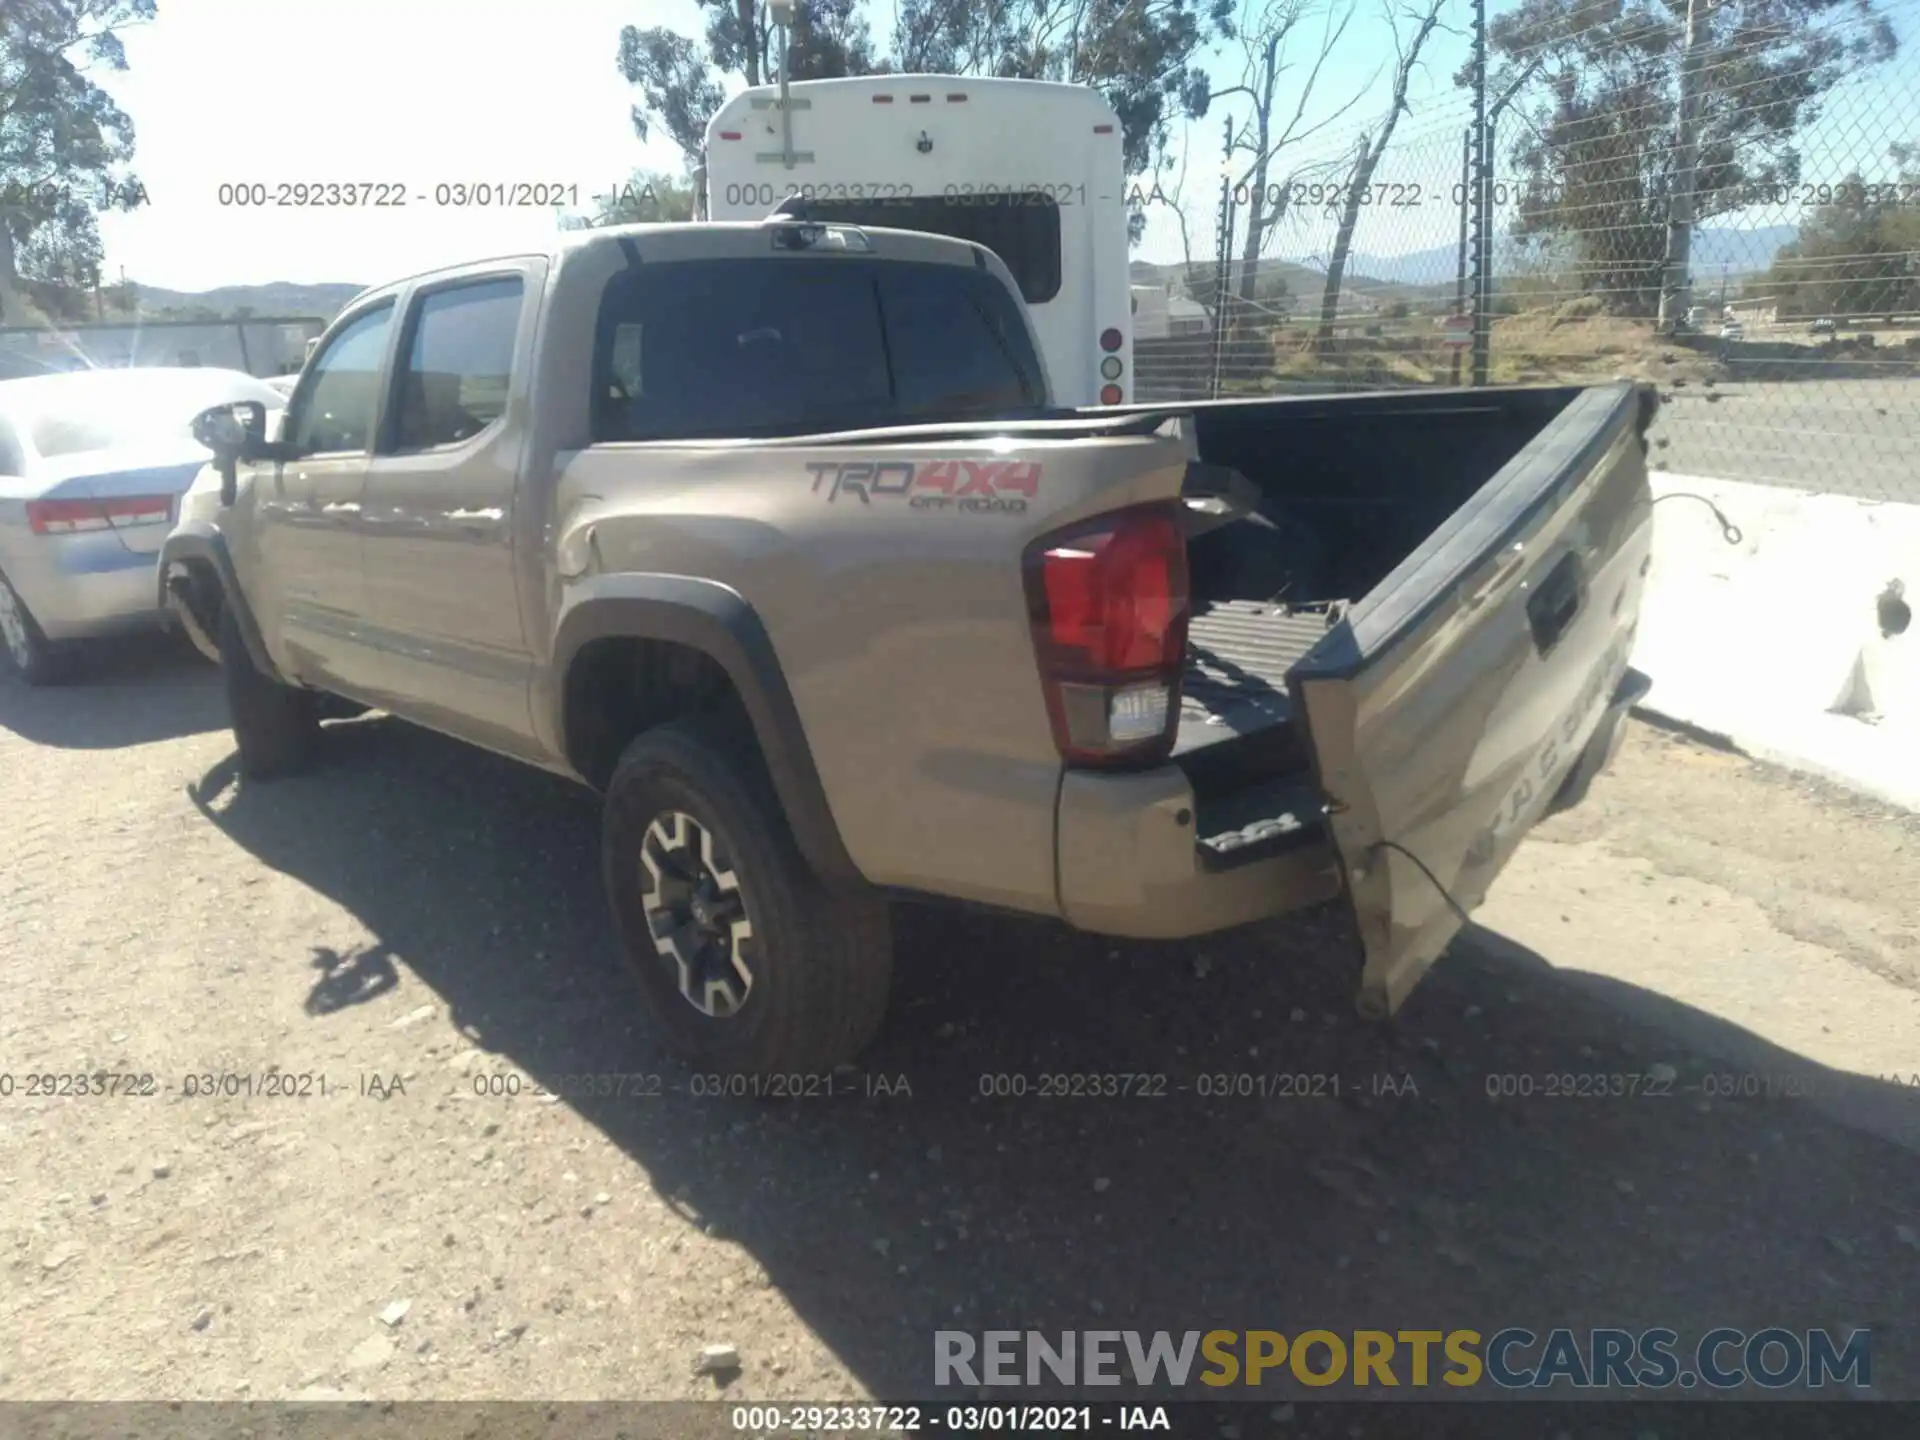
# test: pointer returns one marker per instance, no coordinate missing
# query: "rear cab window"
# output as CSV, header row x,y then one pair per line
x,y
710,349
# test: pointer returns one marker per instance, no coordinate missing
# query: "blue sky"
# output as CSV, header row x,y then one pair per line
x,y
417,93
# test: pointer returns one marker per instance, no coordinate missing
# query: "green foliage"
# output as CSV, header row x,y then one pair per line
x,y
1140,54
63,142
681,79
1597,153
1270,287
1860,254
646,196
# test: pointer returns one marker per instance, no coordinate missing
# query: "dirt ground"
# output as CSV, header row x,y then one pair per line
x,y
420,925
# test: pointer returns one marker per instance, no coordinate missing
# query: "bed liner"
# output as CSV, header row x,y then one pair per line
x,y
1238,655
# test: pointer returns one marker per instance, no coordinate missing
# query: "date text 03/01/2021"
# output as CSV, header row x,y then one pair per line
x,y
969,1419
399,195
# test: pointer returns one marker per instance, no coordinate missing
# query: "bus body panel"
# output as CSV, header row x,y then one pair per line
x,y
1001,162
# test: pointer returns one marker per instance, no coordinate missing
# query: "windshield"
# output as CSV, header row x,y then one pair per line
x,y
82,418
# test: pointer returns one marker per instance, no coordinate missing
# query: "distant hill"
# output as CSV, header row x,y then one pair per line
x,y
281,297
1741,251
1301,279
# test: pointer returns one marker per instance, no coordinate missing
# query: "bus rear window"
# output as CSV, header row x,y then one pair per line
x,y
1023,229
713,349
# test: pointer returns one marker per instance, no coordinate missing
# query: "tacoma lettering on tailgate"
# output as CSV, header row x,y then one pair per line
x,y
975,486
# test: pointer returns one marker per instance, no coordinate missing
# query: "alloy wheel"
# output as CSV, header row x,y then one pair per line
x,y
697,913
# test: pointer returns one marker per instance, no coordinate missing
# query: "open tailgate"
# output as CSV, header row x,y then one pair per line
x,y
1482,681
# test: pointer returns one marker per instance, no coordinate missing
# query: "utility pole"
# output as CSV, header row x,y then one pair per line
x,y
1676,283
781,13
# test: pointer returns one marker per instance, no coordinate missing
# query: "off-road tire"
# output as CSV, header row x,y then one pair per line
x,y
276,727
24,647
821,959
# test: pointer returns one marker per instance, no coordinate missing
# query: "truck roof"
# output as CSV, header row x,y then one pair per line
x,y
712,240
749,239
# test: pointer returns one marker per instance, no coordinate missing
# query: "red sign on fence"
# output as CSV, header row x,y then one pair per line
x,y
1456,331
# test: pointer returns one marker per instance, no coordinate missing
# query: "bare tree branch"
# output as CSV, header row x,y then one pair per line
x,y
1367,159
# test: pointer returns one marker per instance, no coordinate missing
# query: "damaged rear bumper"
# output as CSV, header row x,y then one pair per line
x,y
1605,744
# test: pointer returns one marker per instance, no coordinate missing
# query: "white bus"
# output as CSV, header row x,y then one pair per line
x,y
1030,169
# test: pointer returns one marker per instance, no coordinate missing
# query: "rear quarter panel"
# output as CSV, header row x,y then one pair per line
x,y
899,621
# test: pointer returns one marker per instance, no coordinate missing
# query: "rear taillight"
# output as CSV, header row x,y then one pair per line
x,y
1108,601
72,517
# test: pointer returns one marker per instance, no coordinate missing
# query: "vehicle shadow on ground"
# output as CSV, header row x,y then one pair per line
x,y
128,691
1426,1193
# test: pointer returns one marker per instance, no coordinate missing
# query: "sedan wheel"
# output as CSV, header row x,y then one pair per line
x,y
27,649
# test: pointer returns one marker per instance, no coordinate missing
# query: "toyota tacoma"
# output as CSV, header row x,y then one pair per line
x,y
771,534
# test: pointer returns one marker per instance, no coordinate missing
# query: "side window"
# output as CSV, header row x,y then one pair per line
x,y
459,359
12,462
335,408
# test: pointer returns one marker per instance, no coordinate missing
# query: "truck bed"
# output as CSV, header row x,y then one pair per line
x,y
1238,655
1247,761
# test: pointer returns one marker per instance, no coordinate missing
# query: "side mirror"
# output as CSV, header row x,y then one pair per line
x,y
233,433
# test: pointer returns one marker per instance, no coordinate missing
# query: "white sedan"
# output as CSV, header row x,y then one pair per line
x,y
92,468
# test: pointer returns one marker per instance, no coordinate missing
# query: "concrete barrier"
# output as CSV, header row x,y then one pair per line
x,y
1794,643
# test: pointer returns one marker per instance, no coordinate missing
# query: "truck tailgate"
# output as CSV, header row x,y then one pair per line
x,y
1449,707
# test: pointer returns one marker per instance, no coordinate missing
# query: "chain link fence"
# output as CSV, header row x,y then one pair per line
x,y
1782,326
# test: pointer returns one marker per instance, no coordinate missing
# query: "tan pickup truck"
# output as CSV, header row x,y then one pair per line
x,y
770,534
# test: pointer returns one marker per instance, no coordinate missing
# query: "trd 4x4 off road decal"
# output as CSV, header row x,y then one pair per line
x,y
977,486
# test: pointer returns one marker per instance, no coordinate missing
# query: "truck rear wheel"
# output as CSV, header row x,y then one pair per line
x,y
275,727
748,962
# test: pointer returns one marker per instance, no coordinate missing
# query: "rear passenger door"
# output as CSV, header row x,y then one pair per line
x,y
443,605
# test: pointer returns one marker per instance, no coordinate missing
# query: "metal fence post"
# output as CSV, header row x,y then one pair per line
x,y
1222,287
1482,196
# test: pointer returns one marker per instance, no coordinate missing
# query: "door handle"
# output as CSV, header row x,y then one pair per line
x,y
1555,601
